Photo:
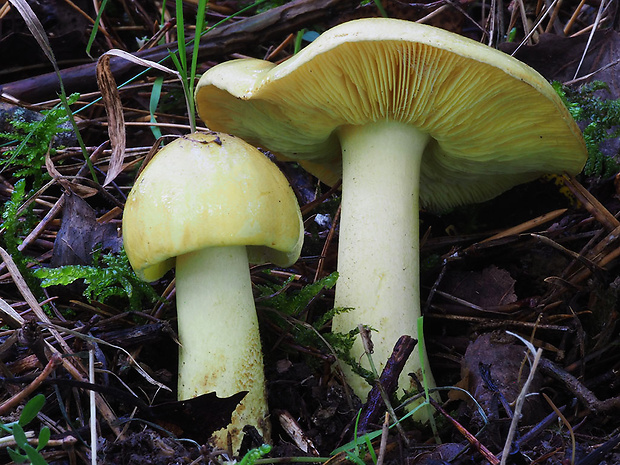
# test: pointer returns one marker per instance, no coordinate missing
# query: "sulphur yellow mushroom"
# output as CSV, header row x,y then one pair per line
x,y
408,115
209,204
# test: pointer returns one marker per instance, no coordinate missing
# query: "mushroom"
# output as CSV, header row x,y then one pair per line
x,y
209,203
406,114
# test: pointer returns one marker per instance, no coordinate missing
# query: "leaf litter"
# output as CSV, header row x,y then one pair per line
x,y
554,282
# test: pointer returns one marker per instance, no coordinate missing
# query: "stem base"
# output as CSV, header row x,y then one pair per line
x,y
218,331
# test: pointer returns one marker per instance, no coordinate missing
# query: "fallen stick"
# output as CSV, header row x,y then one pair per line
x,y
11,403
221,40
373,409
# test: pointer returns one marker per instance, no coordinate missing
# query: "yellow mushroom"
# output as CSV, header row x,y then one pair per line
x,y
209,204
407,114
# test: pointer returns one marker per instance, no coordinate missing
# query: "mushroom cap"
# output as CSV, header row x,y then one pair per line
x,y
210,190
494,122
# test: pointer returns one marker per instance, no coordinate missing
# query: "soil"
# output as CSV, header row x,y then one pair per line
x,y
488,291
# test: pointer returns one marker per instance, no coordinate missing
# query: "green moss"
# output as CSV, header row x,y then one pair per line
x,y
111,276
602,122
34,139
289,306
16,223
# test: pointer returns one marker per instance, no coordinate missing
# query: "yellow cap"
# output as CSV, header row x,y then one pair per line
x,y
210,190
493,121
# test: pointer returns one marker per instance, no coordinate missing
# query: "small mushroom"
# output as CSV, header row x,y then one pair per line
x,y
208,204
405,113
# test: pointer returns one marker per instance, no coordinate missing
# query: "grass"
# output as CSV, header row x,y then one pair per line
x,y
293,306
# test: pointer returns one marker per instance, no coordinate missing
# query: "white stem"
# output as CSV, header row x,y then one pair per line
x,y
218,331
378,254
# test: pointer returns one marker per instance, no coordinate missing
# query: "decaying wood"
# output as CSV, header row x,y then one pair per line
x,y
374,407
587,397
138,335
218,42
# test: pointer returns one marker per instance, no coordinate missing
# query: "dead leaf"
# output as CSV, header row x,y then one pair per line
x,y
114,108
116,120
64,27
82,191
493,365
80,232
444,453
557,58
491,287
35,27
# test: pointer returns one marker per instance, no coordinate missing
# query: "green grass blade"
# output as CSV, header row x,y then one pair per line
x,y
93,33
422,349
200,24
154,102
382,11
181,35
371,450
298,40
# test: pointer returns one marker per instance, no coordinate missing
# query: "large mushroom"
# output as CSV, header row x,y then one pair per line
x,y
405,113
209,203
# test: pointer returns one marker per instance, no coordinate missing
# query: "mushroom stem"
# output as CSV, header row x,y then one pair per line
x,y
378,254
218,331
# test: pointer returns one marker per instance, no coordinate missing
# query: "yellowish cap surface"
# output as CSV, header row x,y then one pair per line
x,y
210,190
494,122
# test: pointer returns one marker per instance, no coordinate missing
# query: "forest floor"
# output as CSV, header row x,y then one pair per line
x,y
540,261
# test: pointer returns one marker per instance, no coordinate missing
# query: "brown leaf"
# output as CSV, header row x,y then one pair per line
x,y
557,58
494,365
114,108
82,191
80,232
116,120
35,27
491,287
495,369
